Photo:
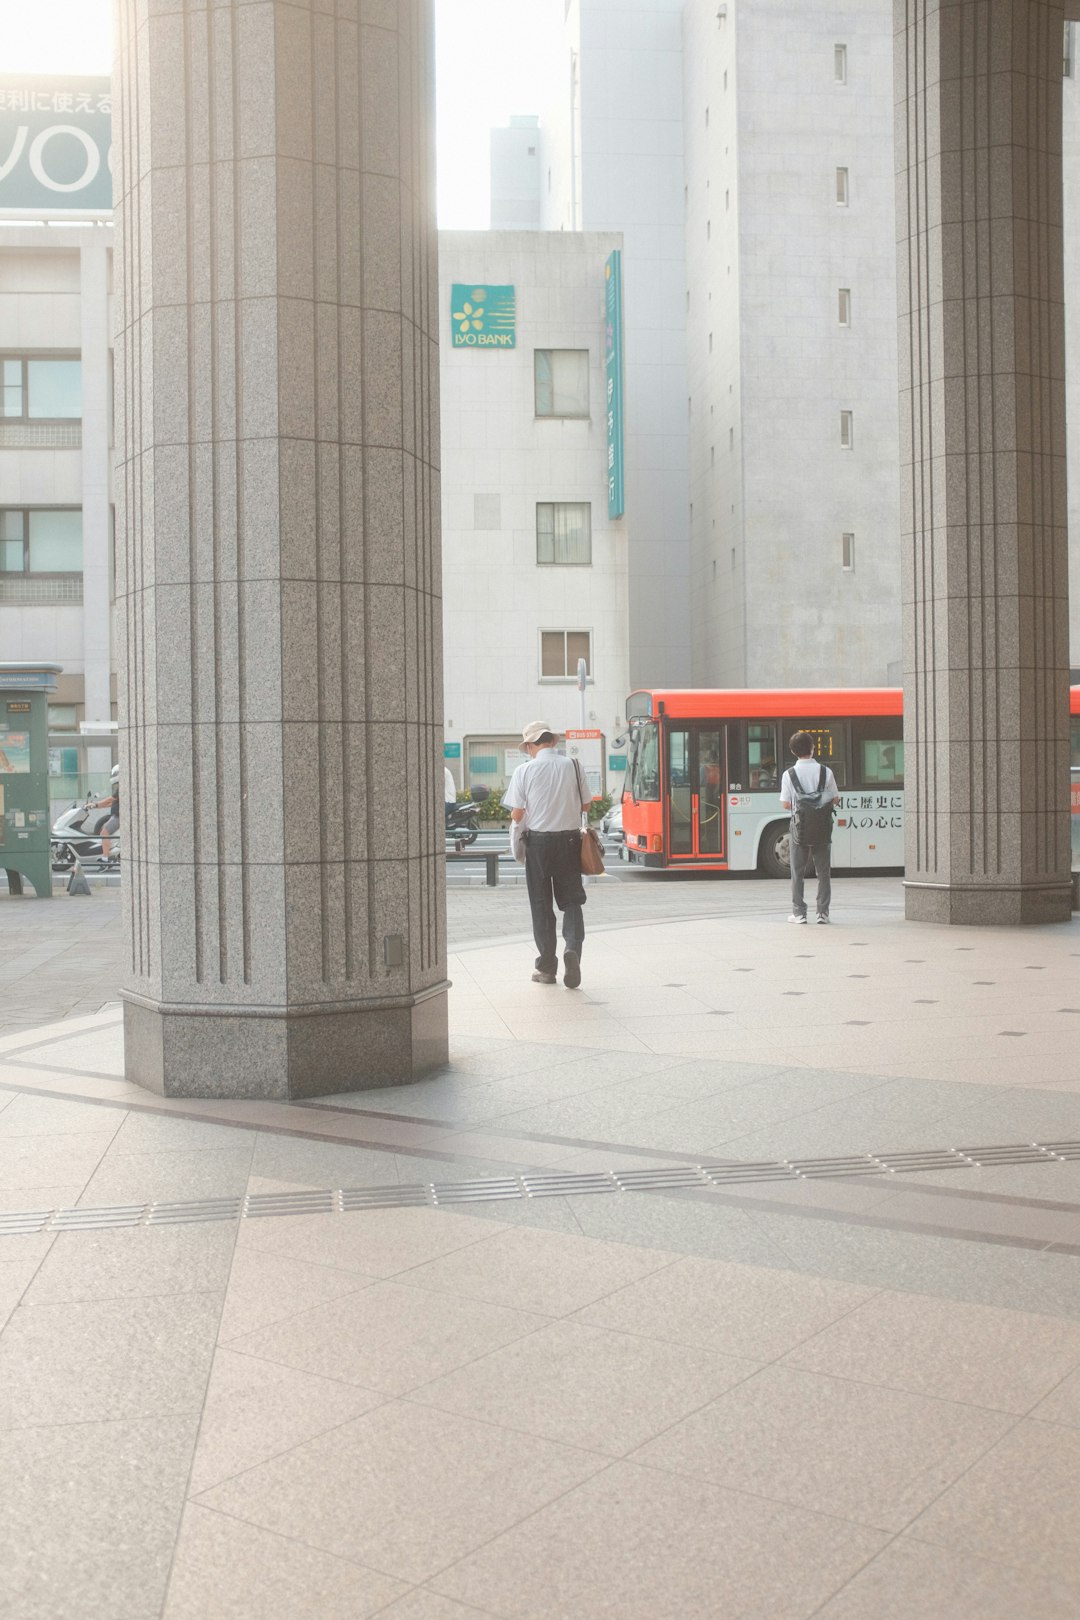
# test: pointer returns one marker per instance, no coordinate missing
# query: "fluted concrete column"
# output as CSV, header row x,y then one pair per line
x,y
982,412
278,545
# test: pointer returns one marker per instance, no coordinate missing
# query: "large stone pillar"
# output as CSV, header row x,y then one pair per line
x,y
278,556
982,414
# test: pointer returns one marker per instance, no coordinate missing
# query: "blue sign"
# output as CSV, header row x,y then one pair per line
x,y
55,145
451,750
613,366
482,317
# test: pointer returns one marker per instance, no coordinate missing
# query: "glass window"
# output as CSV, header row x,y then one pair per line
x,y
881,763
878,751
12,404
840,64
62,717
562,382
490,762
12,546
847,552
847,430
54,389
41,389
842,188
560,651
564,532
680,792
644,776
844,306
55,542
761,754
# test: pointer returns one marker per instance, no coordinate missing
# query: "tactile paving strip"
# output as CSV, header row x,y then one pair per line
x,y
548,1184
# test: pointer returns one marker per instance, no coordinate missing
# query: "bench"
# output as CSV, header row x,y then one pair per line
x,y
489,856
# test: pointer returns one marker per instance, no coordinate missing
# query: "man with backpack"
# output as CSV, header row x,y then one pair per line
x,y
809,791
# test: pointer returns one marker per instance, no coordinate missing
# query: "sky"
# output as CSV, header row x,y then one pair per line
x,y
492,60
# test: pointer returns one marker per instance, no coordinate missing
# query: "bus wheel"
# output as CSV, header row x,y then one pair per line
x,y
774,856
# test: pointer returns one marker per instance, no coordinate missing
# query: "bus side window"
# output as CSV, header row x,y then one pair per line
x,y
881,764
878,751
761,755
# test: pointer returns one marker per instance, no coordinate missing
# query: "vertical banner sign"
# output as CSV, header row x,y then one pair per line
x,y
613,365
55,145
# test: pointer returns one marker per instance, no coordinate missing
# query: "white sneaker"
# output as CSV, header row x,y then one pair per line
x,y
796,918
823,919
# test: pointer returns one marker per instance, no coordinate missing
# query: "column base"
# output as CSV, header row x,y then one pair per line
x,y
229,1052
1003,905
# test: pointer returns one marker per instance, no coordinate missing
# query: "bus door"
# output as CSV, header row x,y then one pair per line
x,y
696,803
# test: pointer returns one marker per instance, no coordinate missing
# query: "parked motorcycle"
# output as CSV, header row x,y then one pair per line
x,y
463,820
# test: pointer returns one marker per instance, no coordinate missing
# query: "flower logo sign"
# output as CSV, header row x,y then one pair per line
x,y
482,317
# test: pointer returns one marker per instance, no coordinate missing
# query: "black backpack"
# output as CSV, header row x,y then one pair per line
x,y
811,818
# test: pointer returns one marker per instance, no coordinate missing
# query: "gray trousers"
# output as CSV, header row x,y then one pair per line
x,y
800,859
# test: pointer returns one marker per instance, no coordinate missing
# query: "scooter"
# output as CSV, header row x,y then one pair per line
x,y
71,838
463,823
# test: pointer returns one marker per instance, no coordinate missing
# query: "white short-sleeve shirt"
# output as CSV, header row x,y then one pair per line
x,y
549,791
807,771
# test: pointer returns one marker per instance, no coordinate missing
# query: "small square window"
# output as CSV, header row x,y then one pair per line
x,y
847,430
841,188
840,64
847,552
564,533
560,651
844,306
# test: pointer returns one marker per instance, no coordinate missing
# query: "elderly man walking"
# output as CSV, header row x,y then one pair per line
x,y
548,793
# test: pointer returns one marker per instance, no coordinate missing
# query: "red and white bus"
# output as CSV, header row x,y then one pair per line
x,y
702,785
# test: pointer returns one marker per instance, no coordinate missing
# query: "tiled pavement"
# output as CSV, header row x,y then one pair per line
x,y
855,1397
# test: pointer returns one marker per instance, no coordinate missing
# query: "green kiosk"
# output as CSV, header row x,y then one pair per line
x,y
24,775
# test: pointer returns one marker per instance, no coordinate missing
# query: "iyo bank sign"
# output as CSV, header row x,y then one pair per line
x,y
55,145
482,317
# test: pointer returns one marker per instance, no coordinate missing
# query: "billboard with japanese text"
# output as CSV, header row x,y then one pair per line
x,y
55,145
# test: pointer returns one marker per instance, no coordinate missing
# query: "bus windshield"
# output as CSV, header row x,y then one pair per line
x,y
643,777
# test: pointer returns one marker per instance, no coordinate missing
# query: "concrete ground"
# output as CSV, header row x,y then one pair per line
x,y
743,1281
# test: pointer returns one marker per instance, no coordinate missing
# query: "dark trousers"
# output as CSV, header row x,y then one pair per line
x,y
553,870
800,859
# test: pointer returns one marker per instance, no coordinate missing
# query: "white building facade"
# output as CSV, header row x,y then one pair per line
x,y
56,513
534,571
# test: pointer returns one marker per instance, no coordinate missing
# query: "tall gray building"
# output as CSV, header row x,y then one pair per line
x,y
795,570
